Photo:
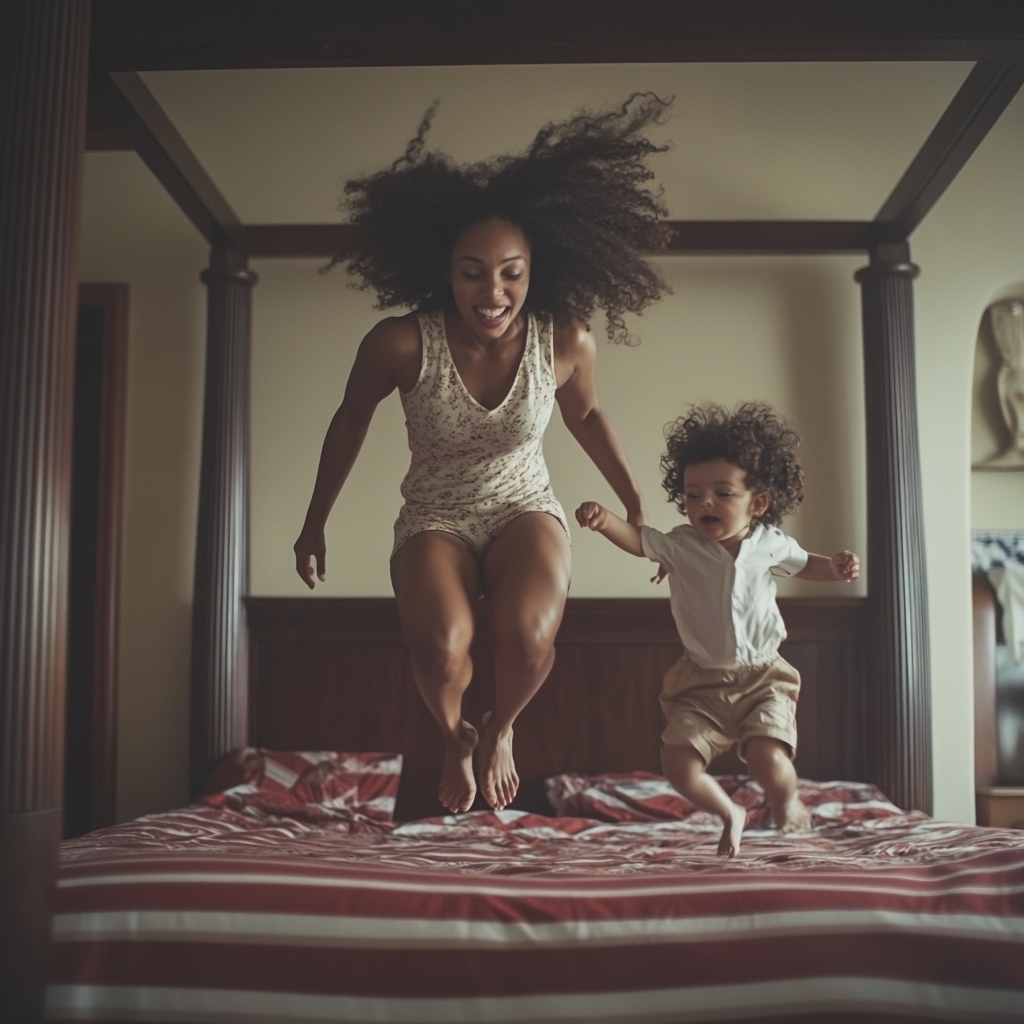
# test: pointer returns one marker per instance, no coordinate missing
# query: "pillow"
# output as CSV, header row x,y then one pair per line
x,y
646,797
313,787
620,797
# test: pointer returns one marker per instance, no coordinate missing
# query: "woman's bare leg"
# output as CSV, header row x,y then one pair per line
x,y
526,575
684,767
437,581
769,762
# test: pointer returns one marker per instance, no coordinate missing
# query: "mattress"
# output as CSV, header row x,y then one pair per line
x,y
220,913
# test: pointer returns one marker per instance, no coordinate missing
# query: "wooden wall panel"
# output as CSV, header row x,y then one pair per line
x,y
333,674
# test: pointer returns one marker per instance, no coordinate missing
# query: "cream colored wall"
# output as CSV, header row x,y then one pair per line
x,y
133,233
971,251
997,496
785,330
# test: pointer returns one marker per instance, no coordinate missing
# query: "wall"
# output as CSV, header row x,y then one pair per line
x,y
971,252
784,329
133,233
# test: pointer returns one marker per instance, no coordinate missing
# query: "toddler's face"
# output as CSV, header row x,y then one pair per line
x,y
719,504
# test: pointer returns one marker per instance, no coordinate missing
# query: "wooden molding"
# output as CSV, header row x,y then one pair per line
x,y
112,301
767,237
686,237
277,33
986,736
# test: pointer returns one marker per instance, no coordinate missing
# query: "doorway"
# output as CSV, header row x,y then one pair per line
x,y
90,744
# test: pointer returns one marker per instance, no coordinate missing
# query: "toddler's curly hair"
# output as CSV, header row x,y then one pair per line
x,y
753,437
577,194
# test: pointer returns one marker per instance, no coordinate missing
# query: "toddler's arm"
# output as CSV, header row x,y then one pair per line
x,y
843,565
625,535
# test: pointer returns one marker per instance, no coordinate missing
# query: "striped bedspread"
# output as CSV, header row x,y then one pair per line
x,y
206,915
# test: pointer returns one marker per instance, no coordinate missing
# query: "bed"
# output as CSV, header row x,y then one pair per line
x,y
932,926
329,885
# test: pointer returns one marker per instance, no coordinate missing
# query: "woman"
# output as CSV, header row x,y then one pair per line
x,y
503,262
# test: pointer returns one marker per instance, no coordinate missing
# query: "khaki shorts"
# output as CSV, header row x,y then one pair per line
x,y
712,708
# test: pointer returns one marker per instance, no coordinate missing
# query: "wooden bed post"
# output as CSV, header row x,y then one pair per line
x,y
44,55
898,691
219,641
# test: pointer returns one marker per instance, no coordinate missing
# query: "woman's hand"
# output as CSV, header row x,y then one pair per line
x,y
311,547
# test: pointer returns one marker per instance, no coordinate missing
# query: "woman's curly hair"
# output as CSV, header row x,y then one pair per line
x,y
577,194
753,437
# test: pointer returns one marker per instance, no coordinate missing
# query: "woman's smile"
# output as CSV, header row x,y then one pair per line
x,y
490,276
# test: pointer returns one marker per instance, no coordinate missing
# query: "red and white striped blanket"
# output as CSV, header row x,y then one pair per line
x,y
210,914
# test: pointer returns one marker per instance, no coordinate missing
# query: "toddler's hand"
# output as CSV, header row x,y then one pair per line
x,y
590,514
845,566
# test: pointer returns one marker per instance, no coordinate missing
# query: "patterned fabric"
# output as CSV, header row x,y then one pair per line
x,y
645,797
992,549
313,787
1000,554
207,914
474,469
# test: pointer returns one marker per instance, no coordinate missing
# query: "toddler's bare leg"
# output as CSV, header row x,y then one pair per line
x,y
683,766
769,763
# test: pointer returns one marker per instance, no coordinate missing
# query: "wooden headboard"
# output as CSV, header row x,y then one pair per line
x,y
333,674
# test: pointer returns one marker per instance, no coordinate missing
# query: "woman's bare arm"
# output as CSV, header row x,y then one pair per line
x,y
385,357
575,360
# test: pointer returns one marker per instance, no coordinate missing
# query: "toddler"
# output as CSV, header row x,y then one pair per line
x,y
734,475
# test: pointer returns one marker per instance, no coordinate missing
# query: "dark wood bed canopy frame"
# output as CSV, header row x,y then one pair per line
x,y
55,55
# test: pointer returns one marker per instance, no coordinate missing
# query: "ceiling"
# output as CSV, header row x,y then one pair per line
x,y
750,141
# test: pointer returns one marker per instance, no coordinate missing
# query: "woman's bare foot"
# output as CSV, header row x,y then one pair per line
x,y
794,818
729,844
457,788
499,782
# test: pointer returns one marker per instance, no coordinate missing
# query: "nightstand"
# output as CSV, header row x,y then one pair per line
x,y
1000,806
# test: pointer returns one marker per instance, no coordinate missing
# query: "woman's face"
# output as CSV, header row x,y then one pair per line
x,y
490,276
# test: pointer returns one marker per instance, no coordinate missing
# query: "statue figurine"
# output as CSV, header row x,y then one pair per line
x,y
1008,331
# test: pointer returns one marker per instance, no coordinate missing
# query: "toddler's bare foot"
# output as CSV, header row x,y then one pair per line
x,y
729,844
457,788
794,818
499,782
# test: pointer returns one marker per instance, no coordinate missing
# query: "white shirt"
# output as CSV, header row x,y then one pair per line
x,y
725,609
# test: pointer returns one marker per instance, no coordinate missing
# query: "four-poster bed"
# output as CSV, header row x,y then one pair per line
x,y
45,61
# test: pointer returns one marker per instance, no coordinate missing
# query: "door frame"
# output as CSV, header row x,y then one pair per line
x,y
112,301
